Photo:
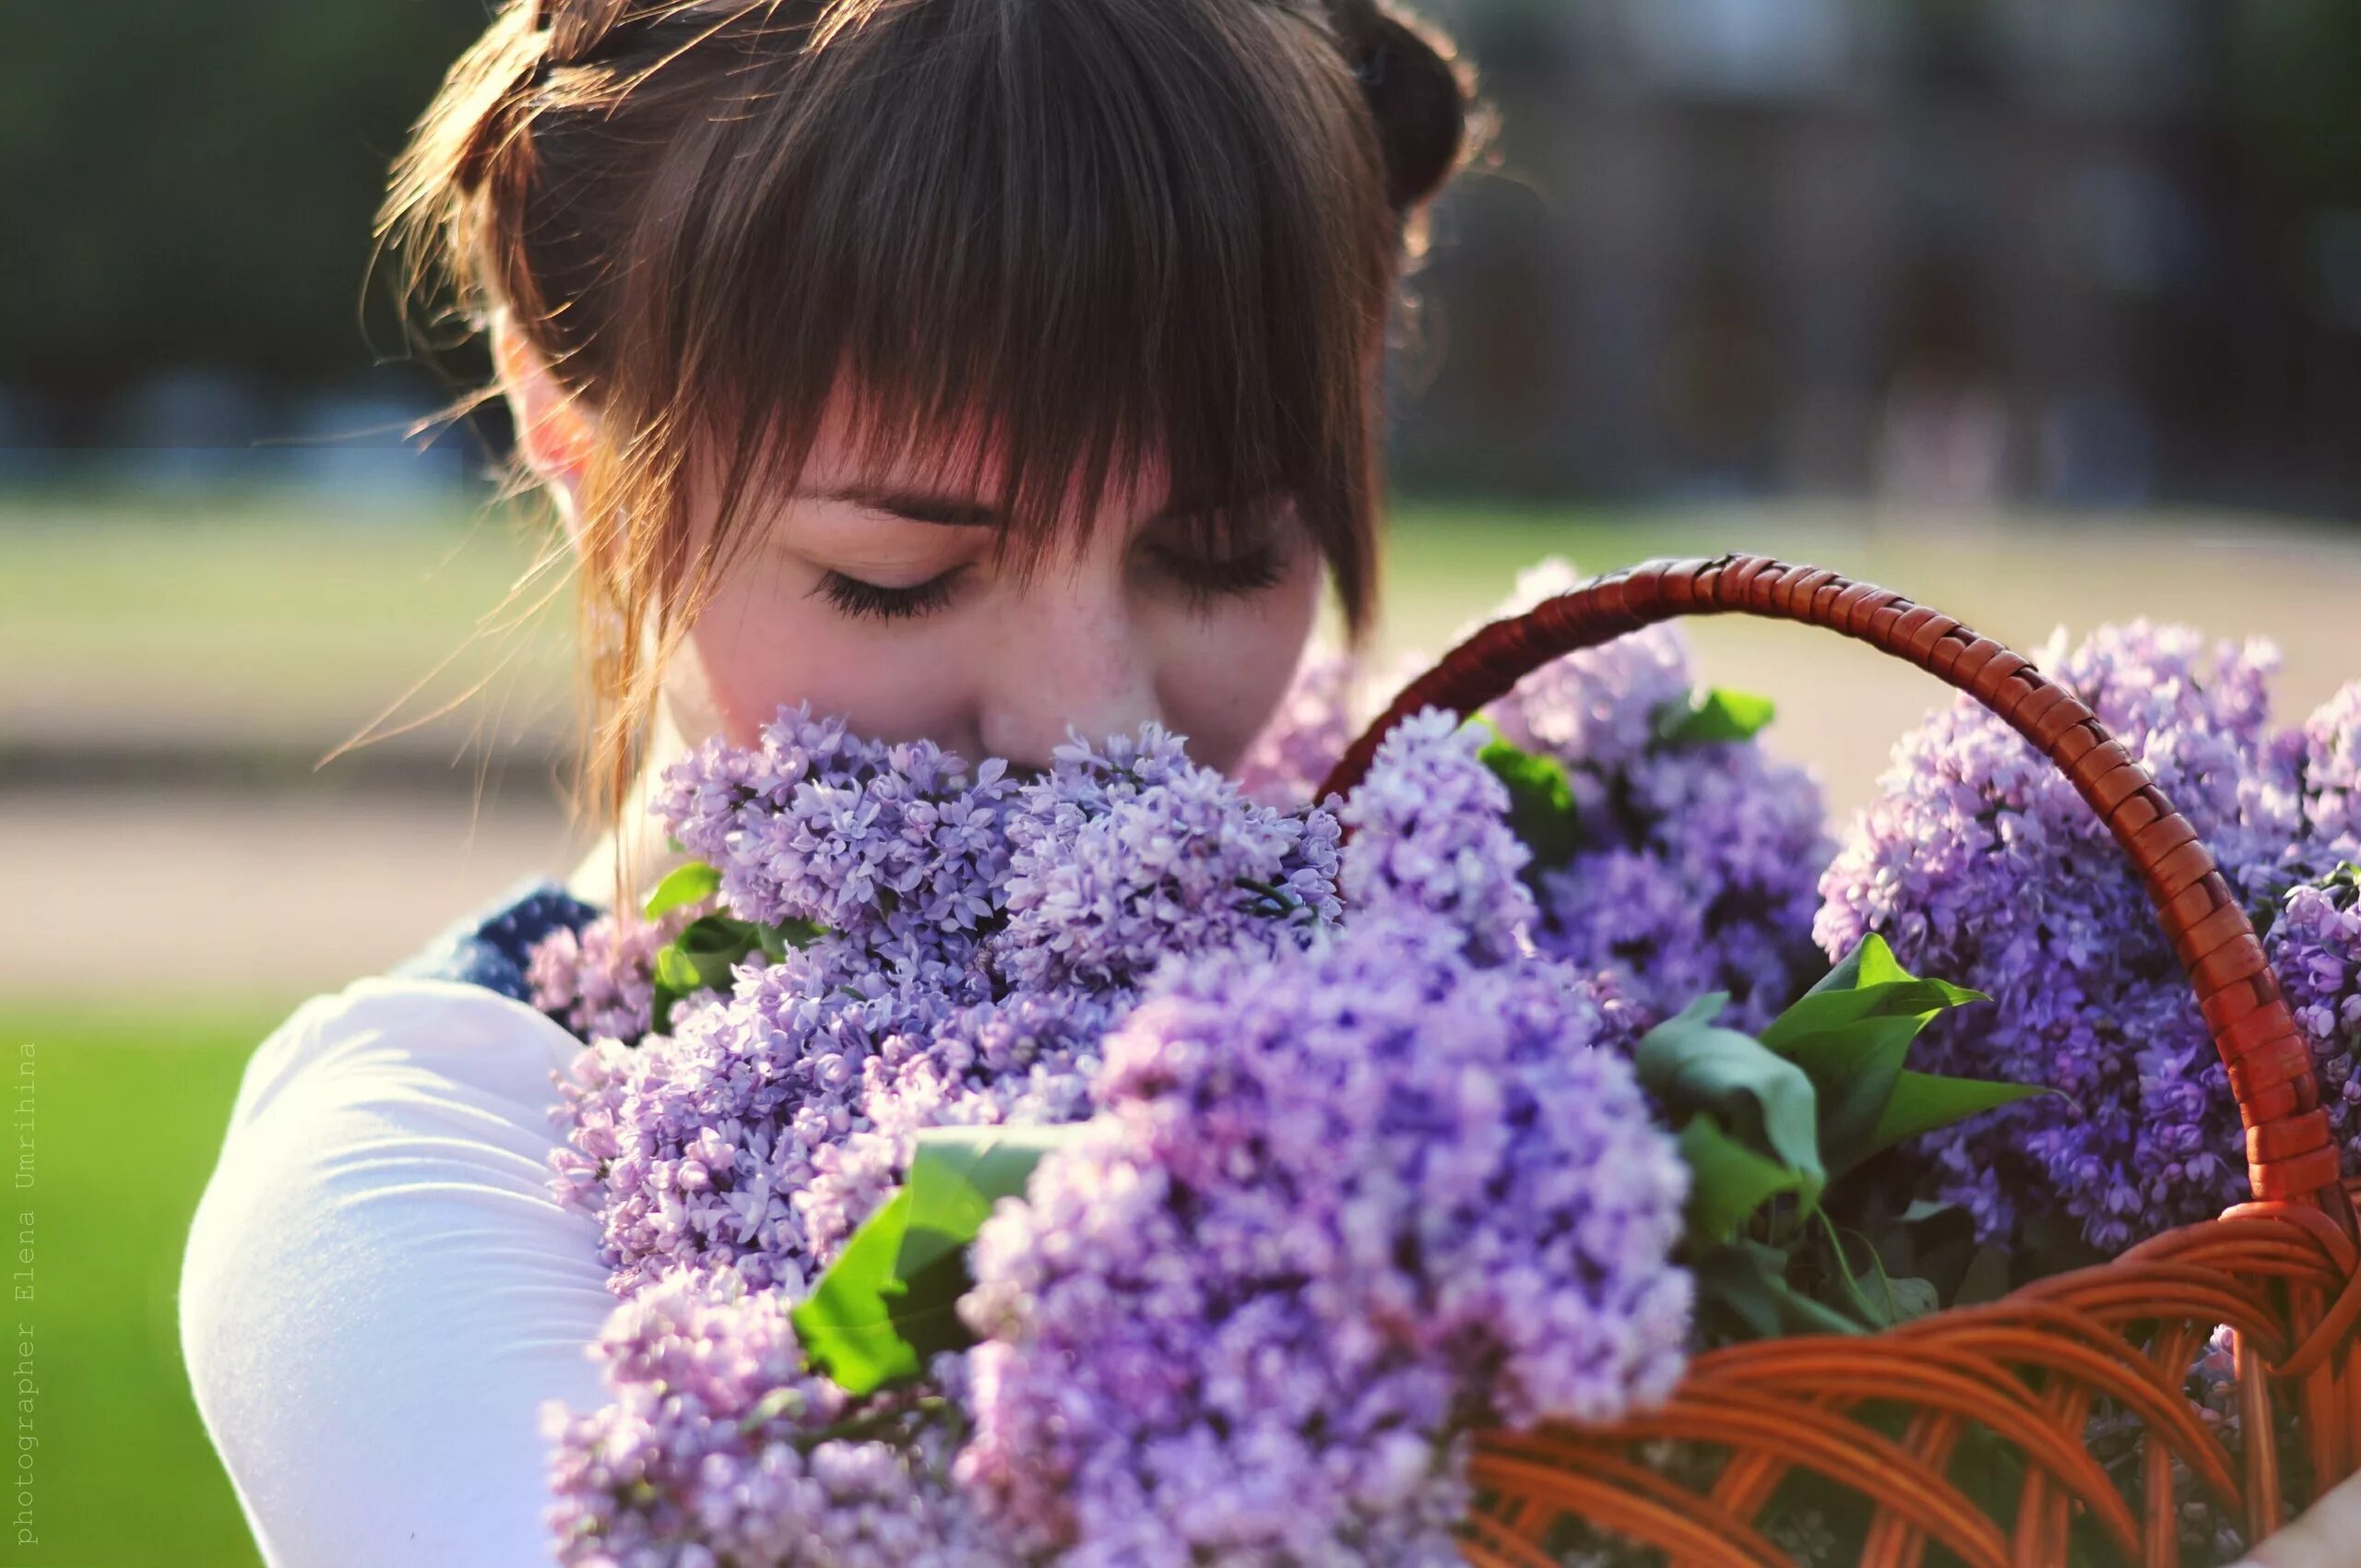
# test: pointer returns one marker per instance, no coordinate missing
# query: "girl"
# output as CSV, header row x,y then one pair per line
x,y
967,368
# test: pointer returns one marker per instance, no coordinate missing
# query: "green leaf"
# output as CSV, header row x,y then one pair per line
x,y
1728,1182
1762,1099
1541,801
1924,1102
1869,982
890,1302
854,1325
703,956
1851,1034
1714,715
957,1174
1910,1298
677,972
1746,1282
684,886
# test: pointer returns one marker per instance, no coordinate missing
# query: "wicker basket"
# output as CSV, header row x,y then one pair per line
x,y
1882,1416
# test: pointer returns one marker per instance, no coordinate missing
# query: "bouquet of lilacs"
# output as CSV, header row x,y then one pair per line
x,y
1306,1198
1125,1164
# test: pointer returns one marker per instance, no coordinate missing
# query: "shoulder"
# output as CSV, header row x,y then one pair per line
x,y
379,1287
391,1041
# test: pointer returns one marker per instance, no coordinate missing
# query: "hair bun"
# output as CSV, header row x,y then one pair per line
x,y
1417,92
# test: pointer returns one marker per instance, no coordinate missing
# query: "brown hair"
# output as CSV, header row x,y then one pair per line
x,y
1085,230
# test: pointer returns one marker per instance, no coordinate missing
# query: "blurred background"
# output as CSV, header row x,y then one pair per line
x,y
2043,311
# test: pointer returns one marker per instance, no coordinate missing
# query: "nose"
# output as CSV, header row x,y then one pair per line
x,y
1071,656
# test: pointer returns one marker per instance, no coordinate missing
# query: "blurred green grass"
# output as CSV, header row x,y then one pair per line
x,y
131,1103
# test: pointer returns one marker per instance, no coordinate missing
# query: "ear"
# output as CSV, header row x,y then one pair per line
x,y
553,430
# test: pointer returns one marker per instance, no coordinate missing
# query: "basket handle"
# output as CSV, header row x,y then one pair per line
x,y
2291,1156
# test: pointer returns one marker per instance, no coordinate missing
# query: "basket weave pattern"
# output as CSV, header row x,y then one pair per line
x,y
1883,1415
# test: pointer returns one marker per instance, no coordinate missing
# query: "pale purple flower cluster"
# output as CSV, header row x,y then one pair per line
x,y
1433,838
2331,771
600,983
717,1448
763,1131
1979,863
1341,1205
1697,862
2315,947
1124,855
895,845
987,936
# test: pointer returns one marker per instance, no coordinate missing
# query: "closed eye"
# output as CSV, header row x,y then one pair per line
x,y
875,601
1206,580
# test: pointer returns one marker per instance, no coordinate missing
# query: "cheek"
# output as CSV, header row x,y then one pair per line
x,y
1223,676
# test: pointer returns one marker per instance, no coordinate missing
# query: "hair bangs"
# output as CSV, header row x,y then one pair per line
x,y
1045,248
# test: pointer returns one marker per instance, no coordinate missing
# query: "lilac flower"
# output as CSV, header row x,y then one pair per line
x,y
1696,862
718,1448
1431,836
2332,773
895,845
763,1131
1455,1208
1345,1203
1978,862
2315,947
1121,857
600,983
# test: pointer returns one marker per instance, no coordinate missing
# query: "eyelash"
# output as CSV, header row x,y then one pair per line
x,y
870,602
1206,582
1202,582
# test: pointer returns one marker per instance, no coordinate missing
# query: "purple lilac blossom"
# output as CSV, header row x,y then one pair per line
x,y
767,1125
2332,773
717,1448
763,1130
2315,947
984,940
1126,853
1431,836
1978,862
895,845
601,984
1343,1206
1697,863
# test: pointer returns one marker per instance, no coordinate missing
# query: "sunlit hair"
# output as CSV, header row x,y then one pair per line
x,y
1085,232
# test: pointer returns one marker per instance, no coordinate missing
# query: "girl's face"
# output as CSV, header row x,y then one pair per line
x,y
874,597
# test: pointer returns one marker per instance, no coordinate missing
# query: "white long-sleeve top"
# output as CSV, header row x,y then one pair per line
x,y
379,1289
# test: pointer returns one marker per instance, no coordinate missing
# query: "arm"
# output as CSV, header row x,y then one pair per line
x,y
379,1289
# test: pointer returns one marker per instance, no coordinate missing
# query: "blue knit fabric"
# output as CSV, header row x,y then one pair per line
x,y
491,948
